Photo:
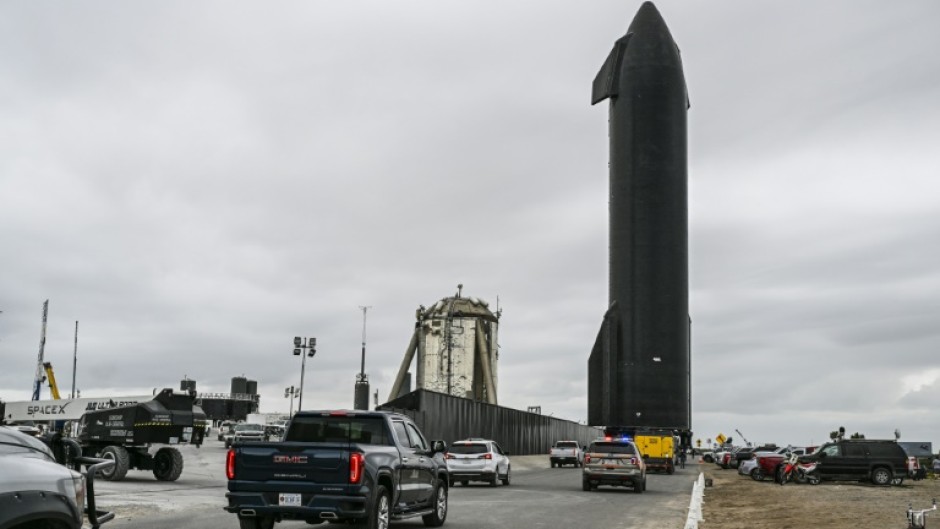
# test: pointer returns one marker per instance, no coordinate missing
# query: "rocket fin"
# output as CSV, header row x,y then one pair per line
x,y
605,84
602,369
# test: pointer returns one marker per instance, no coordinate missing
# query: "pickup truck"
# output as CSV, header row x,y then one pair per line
x,y
566,453
367,467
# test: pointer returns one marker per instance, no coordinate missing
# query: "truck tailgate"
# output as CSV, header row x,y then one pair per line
x,y
274,464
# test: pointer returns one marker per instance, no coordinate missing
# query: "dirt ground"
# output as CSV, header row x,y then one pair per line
x,y
739,502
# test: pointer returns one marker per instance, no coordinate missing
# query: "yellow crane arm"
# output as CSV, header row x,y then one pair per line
x,y
50,376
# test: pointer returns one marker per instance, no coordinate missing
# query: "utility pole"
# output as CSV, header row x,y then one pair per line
x,y
361,393
74,360
37,381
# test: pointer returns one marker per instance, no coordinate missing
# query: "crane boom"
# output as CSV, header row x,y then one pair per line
x,y
50,377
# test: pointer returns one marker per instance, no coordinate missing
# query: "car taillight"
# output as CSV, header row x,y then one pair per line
x,y
632,460
355,467
230,464
448,455
486,456
587,458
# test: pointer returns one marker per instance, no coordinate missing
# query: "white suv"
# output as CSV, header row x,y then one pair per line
x,y
477,460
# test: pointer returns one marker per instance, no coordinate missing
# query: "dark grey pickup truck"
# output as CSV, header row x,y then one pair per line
x,y
333,466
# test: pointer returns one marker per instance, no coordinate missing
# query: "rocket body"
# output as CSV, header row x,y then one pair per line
x,y
639,368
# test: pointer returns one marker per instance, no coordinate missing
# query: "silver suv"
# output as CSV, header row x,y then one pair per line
x,y
246,432
36,491
477,460
616,462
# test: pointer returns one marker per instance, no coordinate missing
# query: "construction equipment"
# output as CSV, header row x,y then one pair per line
x,y
50,378
124,434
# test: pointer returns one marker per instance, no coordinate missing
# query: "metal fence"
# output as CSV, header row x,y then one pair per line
x,y
518,432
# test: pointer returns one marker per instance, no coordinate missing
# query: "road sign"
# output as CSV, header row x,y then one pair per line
x,y
720,439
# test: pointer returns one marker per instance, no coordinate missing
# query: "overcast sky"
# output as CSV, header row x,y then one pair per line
x,y
199,182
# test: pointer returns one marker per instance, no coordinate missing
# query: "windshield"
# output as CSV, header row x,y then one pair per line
x,y
468,449
249,428
612,448
566,444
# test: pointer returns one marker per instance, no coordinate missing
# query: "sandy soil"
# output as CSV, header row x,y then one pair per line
x,y
738,502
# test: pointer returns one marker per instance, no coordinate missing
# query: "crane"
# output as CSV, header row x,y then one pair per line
x,y
50,377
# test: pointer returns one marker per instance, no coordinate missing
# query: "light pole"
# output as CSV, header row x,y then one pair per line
x,y
299,345
291,392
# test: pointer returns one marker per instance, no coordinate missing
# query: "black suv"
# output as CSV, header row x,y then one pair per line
x,y
882,462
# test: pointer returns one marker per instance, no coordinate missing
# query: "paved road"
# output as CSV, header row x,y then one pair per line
x,y
539,496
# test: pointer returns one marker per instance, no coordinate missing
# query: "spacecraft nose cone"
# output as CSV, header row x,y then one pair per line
x,y
648,20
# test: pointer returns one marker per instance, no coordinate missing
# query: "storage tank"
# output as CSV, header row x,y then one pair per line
x,y
456,337
252,387
239,385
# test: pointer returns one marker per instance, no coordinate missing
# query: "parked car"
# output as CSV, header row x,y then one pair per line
x,y
566,453
883,462
477,460
246,432
749,466
37,491
614,462
226,428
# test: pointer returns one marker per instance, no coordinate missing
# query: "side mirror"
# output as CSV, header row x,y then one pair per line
x,y
438,446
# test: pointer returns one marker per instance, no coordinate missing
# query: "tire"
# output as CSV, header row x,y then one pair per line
x,y
670,469
553,464
586,484
506,477
436,518
167,464
380,511
758,474
452,483
494,481
638,487
881,476
465,483
256,522
121,459
813,479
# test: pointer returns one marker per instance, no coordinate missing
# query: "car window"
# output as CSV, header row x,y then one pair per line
x,y
566,444
612,448
467,448
401,434
831,451
884,449
853,450
338,429
417,440
498,449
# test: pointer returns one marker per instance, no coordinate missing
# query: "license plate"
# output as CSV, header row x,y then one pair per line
x,y
288,500
467,461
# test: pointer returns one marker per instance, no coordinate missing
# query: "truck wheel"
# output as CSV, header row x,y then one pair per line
x,y
553,463
167,464
670,469
381,512
758,474
256,522
881,476
121,459
506,477
436,518
465,483
585,484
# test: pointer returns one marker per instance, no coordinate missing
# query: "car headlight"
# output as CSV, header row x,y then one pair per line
x,y
74,487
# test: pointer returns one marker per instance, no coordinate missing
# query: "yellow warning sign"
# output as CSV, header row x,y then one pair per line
x,y
720,439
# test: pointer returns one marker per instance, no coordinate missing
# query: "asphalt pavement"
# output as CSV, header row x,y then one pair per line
x,y
539,496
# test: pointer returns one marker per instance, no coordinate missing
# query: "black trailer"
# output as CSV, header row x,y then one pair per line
x,y
124,434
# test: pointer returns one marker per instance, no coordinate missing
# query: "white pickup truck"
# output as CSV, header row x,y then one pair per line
x,y
566,453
